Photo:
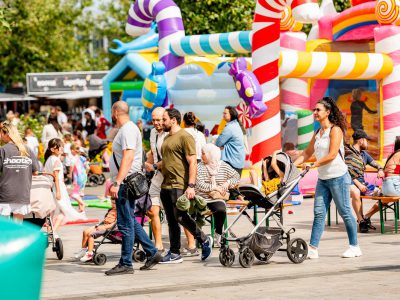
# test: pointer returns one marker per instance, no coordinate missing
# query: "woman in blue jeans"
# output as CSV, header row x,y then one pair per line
x,y
333,177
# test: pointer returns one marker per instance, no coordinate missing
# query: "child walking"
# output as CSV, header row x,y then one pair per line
x,y
79,175
65,212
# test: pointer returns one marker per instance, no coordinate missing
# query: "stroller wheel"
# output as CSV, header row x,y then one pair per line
x,y
102,179
100,259
246,258
59,249
297,250
163,219
264,256
138,255
226,257
93,180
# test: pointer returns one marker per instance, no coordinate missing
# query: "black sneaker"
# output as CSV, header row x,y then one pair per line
x,y
151,261
119,270
363,226
370,226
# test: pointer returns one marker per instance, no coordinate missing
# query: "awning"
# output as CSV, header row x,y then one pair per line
x,y
5,97
78,95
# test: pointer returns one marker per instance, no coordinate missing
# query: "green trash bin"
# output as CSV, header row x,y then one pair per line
x,y
22,250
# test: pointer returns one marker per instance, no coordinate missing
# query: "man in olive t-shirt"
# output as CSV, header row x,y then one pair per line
x,y
179,167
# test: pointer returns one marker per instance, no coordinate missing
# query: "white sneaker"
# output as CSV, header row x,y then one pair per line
x,y
353,251
87,257
217,240
312,253
80,253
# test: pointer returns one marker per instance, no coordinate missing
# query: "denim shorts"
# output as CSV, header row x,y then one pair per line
x,y
391,186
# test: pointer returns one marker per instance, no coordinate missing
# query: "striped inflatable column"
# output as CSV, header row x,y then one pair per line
x,y
387,41
170,26
305,121
266,130
294,91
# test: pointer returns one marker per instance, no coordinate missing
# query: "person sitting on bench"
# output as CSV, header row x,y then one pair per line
x,y
357,158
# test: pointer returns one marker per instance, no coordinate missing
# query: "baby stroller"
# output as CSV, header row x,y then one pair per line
x,y
263,242
43,204
113,236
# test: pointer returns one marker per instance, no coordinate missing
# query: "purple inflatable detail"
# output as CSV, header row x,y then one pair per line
x,y
134,22
248,87
162,5
138,12
169,26
172,61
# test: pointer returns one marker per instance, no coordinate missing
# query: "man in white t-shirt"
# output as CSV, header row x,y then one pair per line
x,y
62,118
32,141
152,164
126,160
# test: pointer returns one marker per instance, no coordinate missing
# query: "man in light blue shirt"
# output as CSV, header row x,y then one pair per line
x,y
232,141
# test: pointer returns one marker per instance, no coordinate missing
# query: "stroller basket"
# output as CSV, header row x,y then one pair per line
x,y
265,240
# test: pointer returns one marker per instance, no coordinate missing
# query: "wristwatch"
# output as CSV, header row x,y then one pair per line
x,y
115,184
155,167
191,185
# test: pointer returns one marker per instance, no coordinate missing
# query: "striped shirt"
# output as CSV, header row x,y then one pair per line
x,y
203,181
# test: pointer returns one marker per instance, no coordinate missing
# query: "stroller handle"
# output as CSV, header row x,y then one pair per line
x,y
47,174
305,171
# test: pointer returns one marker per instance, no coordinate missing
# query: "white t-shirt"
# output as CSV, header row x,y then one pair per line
x,y
62,118
336,167
33,144
128,137
160,139
49,132
199,139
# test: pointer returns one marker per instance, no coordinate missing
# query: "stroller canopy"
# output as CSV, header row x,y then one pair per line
x,y
285,164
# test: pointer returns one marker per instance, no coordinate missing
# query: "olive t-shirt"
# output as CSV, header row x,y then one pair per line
x,y
175,165
16,175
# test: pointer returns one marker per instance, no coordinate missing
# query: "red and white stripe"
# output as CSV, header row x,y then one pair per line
x,y
266,130
387,41
294,91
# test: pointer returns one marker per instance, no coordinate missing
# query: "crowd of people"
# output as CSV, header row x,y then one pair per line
x,y
183,167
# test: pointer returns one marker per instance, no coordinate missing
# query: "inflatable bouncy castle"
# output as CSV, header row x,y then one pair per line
x,y
352,50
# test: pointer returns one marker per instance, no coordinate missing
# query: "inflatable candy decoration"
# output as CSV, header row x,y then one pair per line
x,y
154,90
248,87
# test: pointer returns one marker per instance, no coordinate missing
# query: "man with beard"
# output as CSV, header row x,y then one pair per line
x,y
357,158
179,167
127,160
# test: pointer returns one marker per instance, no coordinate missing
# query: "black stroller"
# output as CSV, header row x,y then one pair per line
x,y
263,242
113,236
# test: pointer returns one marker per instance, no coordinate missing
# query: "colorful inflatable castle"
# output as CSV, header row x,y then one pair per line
x,y
357,49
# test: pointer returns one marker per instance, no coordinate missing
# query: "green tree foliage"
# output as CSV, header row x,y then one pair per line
x,y
214,16
45,35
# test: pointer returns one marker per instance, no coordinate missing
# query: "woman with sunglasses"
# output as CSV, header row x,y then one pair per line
x,y
333,177
17,163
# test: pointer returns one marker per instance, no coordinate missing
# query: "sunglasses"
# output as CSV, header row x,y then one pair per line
x,y
318,110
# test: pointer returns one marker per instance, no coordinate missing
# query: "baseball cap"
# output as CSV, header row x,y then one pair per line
x,y
360,134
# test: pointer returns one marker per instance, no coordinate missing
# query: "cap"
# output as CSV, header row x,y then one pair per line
x,y
360,134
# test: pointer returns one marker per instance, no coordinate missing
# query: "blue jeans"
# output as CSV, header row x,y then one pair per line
x,y
130,229
338,189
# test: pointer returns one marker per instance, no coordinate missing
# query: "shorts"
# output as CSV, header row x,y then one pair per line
x,y
155,189
98,233
7,209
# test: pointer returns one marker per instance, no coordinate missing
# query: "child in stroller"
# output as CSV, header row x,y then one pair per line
x,y
271,173
90,234
263,242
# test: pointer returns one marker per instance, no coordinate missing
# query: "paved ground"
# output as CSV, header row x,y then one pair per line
x,y
375,275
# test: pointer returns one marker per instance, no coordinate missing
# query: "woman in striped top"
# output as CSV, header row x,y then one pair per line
x,y
215,177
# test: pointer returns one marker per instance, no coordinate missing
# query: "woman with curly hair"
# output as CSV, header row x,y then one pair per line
x,y
333,177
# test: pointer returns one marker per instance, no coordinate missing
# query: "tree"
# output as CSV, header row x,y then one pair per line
x,y
45,35
214,16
